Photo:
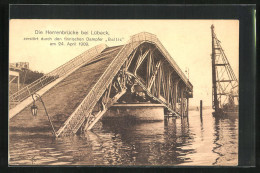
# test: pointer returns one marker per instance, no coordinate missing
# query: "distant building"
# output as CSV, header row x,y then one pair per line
x,y
19,65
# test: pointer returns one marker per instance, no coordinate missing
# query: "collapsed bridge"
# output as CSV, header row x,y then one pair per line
x,y
78,93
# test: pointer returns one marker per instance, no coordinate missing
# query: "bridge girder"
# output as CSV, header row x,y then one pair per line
x,y
138,63
160,84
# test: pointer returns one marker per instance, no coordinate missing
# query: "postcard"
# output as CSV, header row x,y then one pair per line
x,y
123,92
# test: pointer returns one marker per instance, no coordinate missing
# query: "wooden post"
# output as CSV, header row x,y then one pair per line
x,y
201,109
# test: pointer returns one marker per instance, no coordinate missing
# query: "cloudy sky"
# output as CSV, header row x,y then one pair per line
x,y
187,41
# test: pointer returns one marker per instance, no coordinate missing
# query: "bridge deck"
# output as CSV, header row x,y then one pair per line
x,y
64,98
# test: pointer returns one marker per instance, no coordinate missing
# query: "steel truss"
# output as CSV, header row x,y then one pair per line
x,y
157,85
141,70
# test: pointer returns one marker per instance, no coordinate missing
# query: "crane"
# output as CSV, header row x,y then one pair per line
x,y
224,82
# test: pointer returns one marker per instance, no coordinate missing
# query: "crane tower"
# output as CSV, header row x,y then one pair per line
x,y
224,82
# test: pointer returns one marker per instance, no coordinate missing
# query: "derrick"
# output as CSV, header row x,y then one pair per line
x,y
224,81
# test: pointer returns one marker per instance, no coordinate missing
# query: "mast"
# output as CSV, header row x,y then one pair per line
x,y
215,104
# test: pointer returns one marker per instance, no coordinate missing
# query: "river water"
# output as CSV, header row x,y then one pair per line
x,y
189,141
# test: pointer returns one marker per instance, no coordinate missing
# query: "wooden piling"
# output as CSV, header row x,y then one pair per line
x,y
200,108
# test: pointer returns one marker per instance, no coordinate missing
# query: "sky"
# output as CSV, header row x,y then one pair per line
x,y
187,41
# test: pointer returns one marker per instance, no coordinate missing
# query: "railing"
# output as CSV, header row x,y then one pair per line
x,y
74,122
57,73
145,36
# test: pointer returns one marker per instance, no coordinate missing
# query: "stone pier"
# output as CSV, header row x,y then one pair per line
x,y
138,111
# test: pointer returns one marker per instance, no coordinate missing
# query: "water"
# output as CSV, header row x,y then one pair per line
x,y
173,142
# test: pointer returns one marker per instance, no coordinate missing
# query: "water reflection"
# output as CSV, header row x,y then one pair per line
x,y
124,141
226,140
150,143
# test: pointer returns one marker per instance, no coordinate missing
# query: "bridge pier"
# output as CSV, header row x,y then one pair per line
x,y
137,111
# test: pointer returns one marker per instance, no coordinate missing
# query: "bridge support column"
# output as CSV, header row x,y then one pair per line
x,y
182,103
175,94
187,113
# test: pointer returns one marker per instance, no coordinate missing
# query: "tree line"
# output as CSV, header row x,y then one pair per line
x,y
28,76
